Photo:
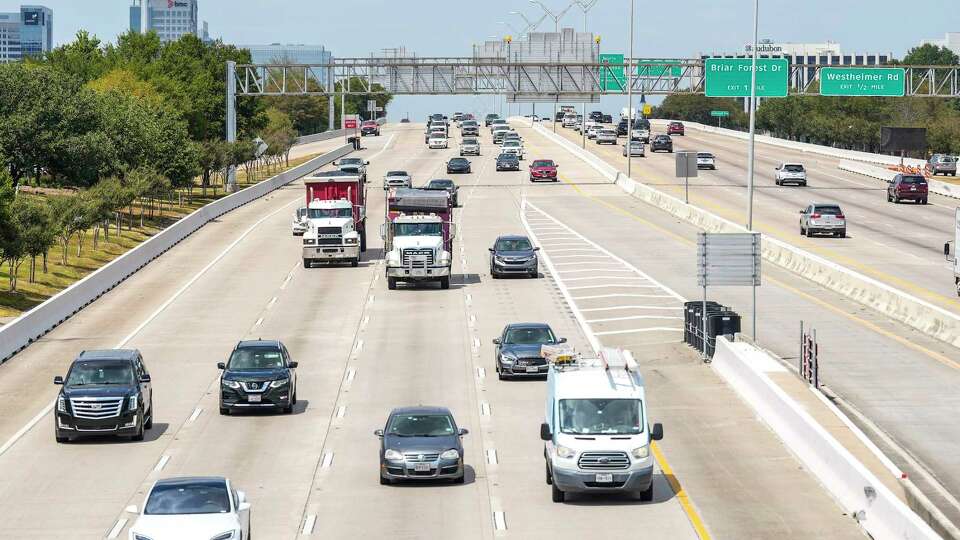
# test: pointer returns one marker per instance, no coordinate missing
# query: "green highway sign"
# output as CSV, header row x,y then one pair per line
x,y
658,67
720,114
614,77
730,77
857,81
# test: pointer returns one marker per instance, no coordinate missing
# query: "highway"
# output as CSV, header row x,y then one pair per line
x,y
363,350
899,244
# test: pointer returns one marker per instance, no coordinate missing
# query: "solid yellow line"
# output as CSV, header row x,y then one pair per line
x,y
678,490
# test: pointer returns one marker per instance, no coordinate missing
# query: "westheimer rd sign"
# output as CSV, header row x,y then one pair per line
x,y
844,81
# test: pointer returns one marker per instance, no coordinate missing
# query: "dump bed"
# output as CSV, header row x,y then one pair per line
x,y
336,185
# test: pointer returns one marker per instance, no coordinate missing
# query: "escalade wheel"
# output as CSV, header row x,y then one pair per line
x,y
445,282
460,479
149,424
139,435
224,411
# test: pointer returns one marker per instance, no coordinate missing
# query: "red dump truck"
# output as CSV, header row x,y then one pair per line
x,y
336,218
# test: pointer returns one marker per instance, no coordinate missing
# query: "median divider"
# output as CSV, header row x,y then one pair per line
x,y
919,314
858,491
38,321
326,135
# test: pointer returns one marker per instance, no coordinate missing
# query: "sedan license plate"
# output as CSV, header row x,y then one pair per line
x,y
605,478
422,467
533,369
254,398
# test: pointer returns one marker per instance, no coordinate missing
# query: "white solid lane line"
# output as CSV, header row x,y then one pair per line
x,y
308,524
162,463
640,330
196,414
635,317
117,527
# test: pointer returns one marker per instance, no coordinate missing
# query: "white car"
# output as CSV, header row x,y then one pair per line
x,y
637,148
470,147
512,147
192,508
608,136
438,141
705,160
569,120
300,223
395,179
790,173
592,130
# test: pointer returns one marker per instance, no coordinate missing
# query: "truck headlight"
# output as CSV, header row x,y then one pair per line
x,y
350,240
279,382
564,452
231,384
61,404
392,455
309,241
641,453
450,454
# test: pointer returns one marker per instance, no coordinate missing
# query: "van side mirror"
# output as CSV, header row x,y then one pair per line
x,y
132,509
657,432
221,365
336,163
536,248
464,431
293,365
58,380
545,434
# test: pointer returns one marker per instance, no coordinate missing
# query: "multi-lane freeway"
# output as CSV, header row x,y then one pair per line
x,y
363,349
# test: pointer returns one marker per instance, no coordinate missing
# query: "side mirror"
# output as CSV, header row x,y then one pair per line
x,y
241,497
336,163
378,432
536,248
657,432
145,378
293,365
132,509
562,340
491,250
496,341
545,434
946,253
58,380
366,162
221,365
464,431
803,211
243,507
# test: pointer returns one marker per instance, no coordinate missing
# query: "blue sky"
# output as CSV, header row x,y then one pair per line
x,y
679,28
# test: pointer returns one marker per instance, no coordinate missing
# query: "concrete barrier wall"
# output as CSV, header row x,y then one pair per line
x,y
326,135
919,314
884,174
880,513
38,321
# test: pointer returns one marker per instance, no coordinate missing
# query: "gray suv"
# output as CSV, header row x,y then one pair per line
x,y
518,350
942,164
421,443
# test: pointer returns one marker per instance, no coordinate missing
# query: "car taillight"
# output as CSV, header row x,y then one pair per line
x,y
840,216
814,216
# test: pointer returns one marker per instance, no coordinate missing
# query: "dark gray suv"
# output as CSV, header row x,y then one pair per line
x,y
259,374
518,350
513,255
421,443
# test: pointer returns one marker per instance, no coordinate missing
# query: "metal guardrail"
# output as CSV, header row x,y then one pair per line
x,y
35,323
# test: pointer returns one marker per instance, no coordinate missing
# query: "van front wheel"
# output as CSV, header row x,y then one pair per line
x,y
556,495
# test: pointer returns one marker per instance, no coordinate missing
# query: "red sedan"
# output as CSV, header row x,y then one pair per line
x,y
543,169
675,128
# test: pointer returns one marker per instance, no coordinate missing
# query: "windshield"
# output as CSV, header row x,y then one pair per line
x,y
199,498
507,157
351,161
440,184
421,425
543,163
511,143
513,244
417,229
301,213
256,358
529,336
793,168
321,213
469,141
601,416
397,173
458,161
913,180
608,132
828,210
705,155
100,372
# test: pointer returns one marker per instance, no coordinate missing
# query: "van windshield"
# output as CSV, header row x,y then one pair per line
x,y
601,416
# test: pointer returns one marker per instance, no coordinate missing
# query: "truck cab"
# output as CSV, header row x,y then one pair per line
x,y
418,236
596,431
336,218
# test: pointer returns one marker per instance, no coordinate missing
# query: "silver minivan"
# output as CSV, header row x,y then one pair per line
x,y
823,218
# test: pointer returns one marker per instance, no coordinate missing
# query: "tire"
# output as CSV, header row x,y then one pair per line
x,y
62,440
306,263
777,181
646,495
460,479
896,200
923,201
556,495
889,199
391,283
493,273
355,262
288,409
385,481
363,240
149,423
535,273
224,411
294,400
139,436
548,478
445,282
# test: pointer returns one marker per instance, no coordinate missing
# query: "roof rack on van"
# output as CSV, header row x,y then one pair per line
x,y
618,359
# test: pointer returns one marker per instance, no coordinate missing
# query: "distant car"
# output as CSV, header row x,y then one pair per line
x,y
517,352
421,443
508,162
636,148
458,165
675,128
543,169
607,119
942,164
908,187
499,132
470,147
207,507
592,130
622,128
105,392
369,127
489,119
823,218
606,136
397,179
512,146
498,122
568,120
300,223
791,173
444,184
596,116
469,128
661,143
457,116
512,135
258,375
404,120
705,160
437,141
513,255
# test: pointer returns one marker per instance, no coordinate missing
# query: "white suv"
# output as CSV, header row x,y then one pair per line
x,y
512,147
791,173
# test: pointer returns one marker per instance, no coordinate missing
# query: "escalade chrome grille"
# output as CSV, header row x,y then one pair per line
x,y
96,408
418,258
604,460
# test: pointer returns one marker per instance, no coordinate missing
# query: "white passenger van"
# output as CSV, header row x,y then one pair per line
x,y
596,432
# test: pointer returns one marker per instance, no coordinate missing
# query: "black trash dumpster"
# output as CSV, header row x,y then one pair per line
x,y
721,323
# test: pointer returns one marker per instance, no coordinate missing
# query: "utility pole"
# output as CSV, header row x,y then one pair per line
x,y
630,96
753,118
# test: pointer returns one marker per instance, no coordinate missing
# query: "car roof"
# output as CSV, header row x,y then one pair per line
x,y
189,480
109,354
421,409
258,343
513,326
512,237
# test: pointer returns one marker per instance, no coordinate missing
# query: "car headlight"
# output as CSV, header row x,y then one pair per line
x,y
392,455
450,454
231,384
641,453
229,535
350,240
61,404
507,358
309,241
279,382
134,402
564,452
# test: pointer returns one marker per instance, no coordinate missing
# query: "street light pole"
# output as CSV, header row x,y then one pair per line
x,y
753,117
630,97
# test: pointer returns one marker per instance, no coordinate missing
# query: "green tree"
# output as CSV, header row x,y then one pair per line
x,y
931,55
357,103
34,224
83,58
279,134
